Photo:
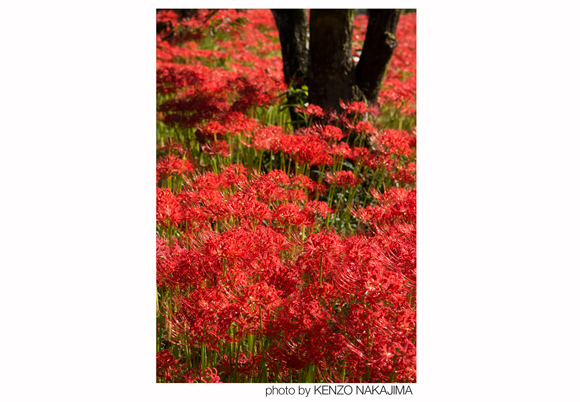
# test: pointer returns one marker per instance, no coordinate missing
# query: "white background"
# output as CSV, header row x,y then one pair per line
x,y
497,187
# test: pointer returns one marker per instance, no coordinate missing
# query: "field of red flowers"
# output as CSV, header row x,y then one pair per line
x,y
286,249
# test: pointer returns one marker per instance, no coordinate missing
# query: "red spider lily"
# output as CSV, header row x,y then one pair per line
x,y
342,179
177,267
397,205
249,280
311,110
291,214
213,128
172,164
217,148
208,375
359,154
358,108
378,161
171,79
166,366
406,175
303,321
168,208
395,142
326,133
192,108
364,127
252,93
235,123
341,149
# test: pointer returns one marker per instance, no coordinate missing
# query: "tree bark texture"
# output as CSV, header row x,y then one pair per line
x,y
377,51
293,30
331,73
320,51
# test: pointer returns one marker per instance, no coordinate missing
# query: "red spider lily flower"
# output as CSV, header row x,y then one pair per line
x,y
166,366
208,375
172,164
364,126
268,138
318,207
341,149
326,133
311,110
397,205
217,148
305,183
235,123
354,107
168,208
406,175
395,142
378,161
343,179
233,175
176,266
290,214
213,128
359,154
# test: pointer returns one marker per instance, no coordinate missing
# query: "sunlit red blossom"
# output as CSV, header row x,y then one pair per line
x,y
307,149
359,154
364,126
358,108
233,175
214,128
242,265
207,181
407,174
268,138
316,209
168,208
176,266
272,186
326,132
301,148
341,149
217,148
308,184
303,182
174,148
397,205
244,206
166,16
342,179
392,141
290,214
235,123
304,322
311,110
191,209
397,93
297,195
172,164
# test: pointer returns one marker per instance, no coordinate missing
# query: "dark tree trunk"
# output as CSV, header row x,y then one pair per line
x,y
331,72
293,30
377,51
327,62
